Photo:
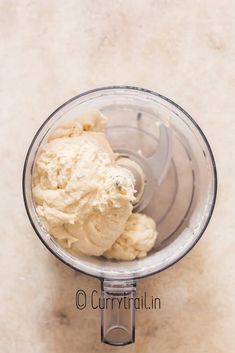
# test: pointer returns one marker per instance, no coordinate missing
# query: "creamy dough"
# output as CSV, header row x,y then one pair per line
x,y
137,239
83,197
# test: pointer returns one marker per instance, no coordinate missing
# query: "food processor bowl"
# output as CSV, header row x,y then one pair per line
x,y
178,188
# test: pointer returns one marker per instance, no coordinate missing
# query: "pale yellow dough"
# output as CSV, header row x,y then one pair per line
x,y
84,198
137,239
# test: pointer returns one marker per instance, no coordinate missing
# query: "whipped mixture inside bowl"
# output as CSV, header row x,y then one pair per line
x,y
84,196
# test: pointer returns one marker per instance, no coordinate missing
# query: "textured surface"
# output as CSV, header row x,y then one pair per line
x,y
52,50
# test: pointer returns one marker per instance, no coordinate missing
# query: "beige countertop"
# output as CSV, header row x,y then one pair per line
x,y
53,50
